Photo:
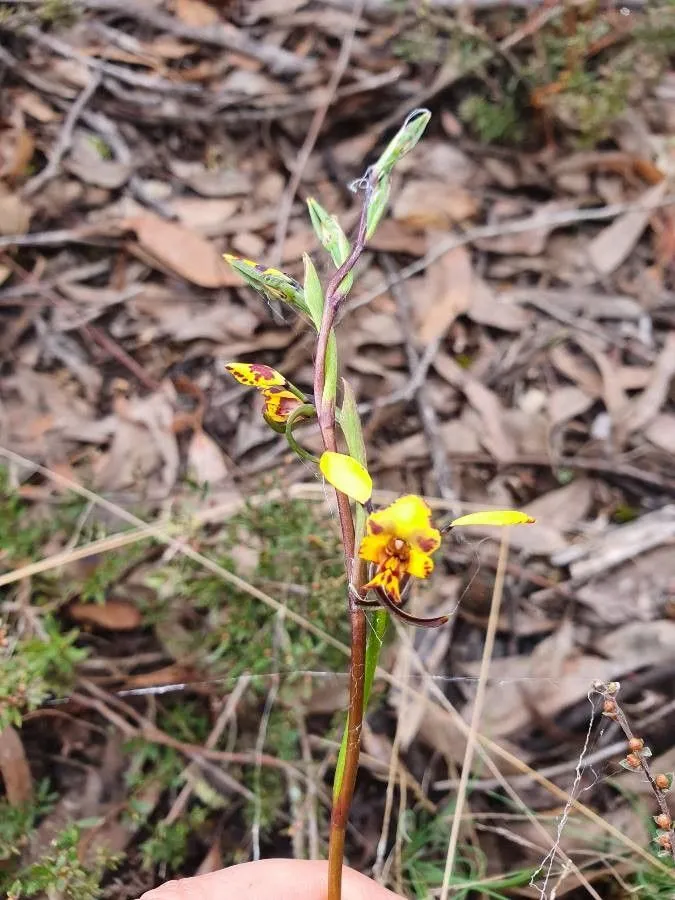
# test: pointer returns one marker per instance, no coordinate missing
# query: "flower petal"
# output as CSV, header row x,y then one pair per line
x,y
256,375
420,564
373,547
406,518
279,404
494,517
388,580
347,475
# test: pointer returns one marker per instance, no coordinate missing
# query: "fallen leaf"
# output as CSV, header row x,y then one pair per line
x,y
182,251
212,182
639,644
428,204
205,460
205,216
113,615
15,214
661,432
641,410
196,13
447,294
495,310
566,403
494,436
14,768
86,163
527,243
613,245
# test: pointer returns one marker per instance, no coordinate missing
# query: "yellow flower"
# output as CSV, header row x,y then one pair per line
x,y
279,404
400,541
256,375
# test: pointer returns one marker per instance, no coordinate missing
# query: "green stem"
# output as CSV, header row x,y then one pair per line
x,y
306,411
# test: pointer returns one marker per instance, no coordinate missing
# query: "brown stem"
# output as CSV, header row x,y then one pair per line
x,y
614,711
326,417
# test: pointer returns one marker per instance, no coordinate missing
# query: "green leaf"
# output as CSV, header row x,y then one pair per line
x,y
350,423
313,292
332,237
403,141
377,627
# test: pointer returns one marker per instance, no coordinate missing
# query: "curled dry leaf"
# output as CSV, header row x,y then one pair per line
x,y
113,615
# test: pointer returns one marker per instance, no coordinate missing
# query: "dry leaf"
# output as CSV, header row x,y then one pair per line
x,y
87,164
615,242
566,403
15,214
494,436
113,615
447,294
427,204
205,460
661,432
14,768
182,251
205,216
211,182
196,13
643,409
495,310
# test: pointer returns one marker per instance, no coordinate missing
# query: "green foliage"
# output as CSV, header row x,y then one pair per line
x,y
168,843
424,856
33,668
493,121
17,823
60,871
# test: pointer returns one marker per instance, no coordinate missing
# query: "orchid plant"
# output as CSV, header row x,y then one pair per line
x,y
384,549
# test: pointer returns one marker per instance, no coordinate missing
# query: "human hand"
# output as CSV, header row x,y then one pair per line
x,y
270,879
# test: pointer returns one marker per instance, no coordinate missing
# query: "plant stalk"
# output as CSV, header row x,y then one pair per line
x,y
326,416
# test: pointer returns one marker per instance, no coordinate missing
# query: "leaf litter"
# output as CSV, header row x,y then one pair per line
x,y
550,368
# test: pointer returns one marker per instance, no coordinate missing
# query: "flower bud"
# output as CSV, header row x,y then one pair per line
x,y
633,761
662,781
664,821
663,840
635,744
609,707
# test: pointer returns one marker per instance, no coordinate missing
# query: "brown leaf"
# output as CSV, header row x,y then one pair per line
x,y
113,615
643,409
87,164
661,432
428,204
447,294
205,460
14,767
182,251
566,403
494,437
211,182
615,242
196,13
15,215
489,308
205,216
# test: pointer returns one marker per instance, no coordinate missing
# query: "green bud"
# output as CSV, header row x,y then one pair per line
x,y
271,283
377,205
332,237
403,141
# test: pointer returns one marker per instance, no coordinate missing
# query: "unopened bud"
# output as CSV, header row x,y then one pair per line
x,y
633,761
663,840
664,821
609,707
662,781
636,744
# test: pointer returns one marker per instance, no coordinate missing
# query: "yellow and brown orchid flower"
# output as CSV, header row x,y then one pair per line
x,y
281,398
400,539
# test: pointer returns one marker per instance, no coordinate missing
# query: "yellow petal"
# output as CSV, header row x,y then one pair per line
x,y
256,375
406,518
373,547
279,404
389,581
347,475
420,564
494,517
